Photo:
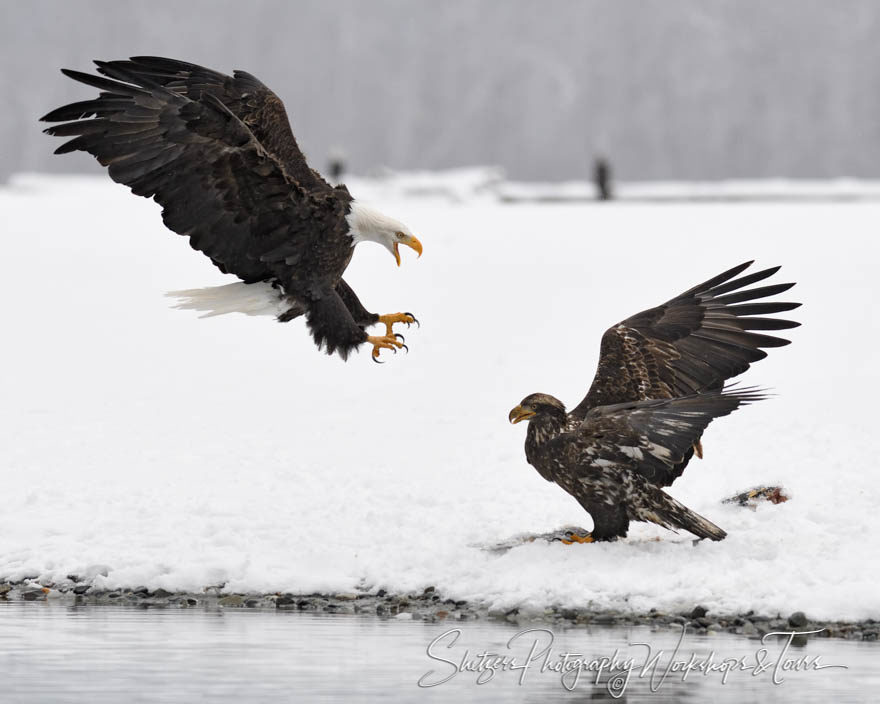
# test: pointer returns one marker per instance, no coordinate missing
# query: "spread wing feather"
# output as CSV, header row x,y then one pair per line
x,y
217,182
692,343
653,437
243,94
616,461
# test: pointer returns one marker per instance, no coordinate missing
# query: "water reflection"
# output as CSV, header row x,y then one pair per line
x,y
57,653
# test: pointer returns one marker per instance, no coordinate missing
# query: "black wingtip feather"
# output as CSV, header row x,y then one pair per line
x,y
719,279
73,111
750,294
120,71
71,146
746,280
748,323
761,308
161,61
102,83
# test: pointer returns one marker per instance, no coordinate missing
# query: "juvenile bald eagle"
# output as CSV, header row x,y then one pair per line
x,y
658,385
218,154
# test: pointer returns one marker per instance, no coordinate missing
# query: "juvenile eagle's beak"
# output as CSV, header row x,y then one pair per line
x,y
519,413
409,242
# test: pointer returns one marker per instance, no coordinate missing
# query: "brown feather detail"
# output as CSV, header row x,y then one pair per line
x,y
615,461
692,343
243,94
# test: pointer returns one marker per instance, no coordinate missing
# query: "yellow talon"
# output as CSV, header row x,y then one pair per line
x,y
578,539
391,318
388,342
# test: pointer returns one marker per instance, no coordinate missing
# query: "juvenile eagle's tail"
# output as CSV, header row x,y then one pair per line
x,y
659,507
249,299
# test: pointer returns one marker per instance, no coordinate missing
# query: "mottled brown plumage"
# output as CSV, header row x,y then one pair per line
x,y
691,343
658,385
217,153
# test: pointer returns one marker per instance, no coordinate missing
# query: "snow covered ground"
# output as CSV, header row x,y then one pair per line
x,y
486,182
181,452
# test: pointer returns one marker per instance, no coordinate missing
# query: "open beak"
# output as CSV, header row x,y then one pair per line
x,y
409,242
519,413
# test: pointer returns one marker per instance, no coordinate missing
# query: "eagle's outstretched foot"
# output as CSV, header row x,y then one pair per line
x,y
391,318
572,538
389,342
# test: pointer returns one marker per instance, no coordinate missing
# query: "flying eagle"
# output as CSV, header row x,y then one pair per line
x,y
218,154
659,383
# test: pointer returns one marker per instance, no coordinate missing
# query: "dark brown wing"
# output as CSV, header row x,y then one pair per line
x,y
244,95
653,437
215,181
690,344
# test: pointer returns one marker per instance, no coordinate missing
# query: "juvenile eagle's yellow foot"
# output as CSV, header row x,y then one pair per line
x,y
575,538
389,342
391,318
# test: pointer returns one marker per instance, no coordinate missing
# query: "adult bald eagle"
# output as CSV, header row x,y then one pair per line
x,y
218,154
658,385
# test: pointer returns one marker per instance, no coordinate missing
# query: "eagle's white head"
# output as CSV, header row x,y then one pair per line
x,y
366,224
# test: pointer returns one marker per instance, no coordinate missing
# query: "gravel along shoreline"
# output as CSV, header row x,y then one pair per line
x,y
431,606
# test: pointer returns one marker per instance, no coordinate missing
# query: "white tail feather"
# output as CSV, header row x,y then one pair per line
x,y
249,299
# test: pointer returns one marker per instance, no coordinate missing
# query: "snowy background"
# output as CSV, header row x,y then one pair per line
x,y
180,452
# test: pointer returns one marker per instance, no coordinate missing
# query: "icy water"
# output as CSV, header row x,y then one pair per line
x,y
61,653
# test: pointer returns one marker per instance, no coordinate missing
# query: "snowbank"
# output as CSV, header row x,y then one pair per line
x,y
660,191
181,452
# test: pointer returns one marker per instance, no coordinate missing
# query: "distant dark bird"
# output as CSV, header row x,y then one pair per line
x,y
218,154
602,177
336,167
658,385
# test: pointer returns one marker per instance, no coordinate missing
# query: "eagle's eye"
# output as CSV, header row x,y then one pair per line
x,y
399,235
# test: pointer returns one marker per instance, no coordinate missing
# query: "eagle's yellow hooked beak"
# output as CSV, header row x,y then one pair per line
x,y
409,241
519,413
